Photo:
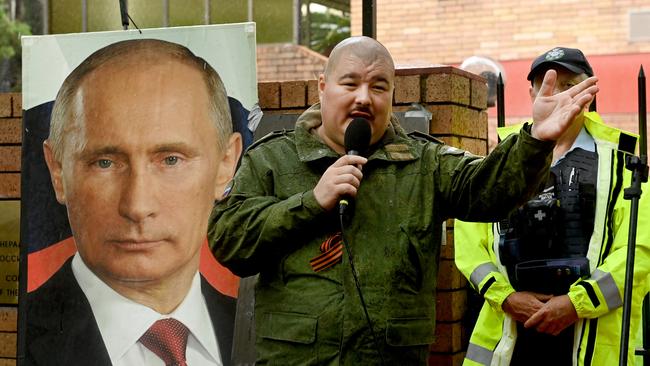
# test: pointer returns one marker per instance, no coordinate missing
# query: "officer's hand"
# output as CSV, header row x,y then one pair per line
x,y
341,179
522,305
557,314
553,114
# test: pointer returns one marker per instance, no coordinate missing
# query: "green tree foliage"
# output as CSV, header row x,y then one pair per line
x,y
327,29
10,51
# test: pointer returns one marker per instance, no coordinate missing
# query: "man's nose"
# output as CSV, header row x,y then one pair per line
x,y
362,95
138,198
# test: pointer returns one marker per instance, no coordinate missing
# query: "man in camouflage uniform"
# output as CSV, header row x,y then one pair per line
x,y
280,216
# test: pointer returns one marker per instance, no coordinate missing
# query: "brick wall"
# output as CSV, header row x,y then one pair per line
x,y
285,61
436,31
10,137
457,100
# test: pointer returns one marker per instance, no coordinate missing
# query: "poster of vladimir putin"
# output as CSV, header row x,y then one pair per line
x,y
128,142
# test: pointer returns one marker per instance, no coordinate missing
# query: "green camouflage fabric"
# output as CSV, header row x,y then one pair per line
x,y
271,224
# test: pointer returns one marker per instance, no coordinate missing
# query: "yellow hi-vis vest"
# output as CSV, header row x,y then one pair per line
x,y
598,300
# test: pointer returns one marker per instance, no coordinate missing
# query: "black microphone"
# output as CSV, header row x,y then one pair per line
x,y
357,141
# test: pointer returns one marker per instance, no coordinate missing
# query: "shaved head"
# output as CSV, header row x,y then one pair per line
x,y
365,48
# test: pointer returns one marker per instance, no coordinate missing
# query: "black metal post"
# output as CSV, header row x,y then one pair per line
x,y
639,168
501,107
369,18
124,14
643,133
645,351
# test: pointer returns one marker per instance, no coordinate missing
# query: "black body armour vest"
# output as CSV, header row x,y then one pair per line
x,y
544,243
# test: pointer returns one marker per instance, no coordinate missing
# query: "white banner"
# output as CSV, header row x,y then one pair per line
x,y
229,48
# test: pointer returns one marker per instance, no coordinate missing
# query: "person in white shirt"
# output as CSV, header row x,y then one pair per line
x,y
140,147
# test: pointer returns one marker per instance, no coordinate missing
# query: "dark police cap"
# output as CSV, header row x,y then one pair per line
x,y
570,58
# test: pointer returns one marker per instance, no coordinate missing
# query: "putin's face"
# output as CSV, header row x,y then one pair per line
x,y
140,175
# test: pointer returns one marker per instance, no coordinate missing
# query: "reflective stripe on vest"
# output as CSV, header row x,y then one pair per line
x,y
479,354
609,289
479,274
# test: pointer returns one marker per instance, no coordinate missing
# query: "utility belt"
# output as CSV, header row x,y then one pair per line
x,y
550,276
535,254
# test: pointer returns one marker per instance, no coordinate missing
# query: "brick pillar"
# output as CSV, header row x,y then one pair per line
x,y
458,102
287,97
10,139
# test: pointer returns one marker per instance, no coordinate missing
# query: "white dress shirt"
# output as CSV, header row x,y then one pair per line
x,y
122,322
583,141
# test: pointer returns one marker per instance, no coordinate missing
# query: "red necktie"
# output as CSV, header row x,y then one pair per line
x,y
167,338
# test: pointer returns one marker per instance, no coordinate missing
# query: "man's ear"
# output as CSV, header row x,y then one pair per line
x,y
531,92
321,86
228,164
56,171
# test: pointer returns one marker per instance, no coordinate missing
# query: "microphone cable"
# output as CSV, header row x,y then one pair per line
x,y
342,206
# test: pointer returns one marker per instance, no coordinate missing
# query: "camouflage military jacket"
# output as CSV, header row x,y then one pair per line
x,y
271,224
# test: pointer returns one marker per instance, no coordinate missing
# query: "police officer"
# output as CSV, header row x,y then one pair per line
x,y
552,274
280,219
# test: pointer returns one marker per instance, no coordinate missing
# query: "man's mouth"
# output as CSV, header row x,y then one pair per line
x,y
137,243
361,114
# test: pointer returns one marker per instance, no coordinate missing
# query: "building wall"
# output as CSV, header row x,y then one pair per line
x,y
514,32
448,31
456,99
288,61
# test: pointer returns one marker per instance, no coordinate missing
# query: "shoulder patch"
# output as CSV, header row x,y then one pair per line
x,y
450,150
424,136
268,137
627,143
397,148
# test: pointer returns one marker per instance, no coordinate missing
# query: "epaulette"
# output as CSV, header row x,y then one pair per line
x,y
269,136
424,136
627,143
445,149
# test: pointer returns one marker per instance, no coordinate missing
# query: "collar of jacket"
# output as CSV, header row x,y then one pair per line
x,y
394,146
594,125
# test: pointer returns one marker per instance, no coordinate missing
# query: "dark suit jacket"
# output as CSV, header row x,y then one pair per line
x,y
61,328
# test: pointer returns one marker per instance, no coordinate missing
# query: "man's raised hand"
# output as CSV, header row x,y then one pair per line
x,y
554,113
